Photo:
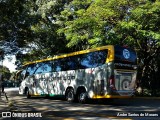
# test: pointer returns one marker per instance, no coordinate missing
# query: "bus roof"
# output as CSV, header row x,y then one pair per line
x,y
110,47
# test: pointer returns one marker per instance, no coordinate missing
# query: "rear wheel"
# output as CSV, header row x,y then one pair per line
x,y
27,93
70,95
82,96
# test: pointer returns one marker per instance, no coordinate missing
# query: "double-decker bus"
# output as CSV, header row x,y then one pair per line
x,y
103,72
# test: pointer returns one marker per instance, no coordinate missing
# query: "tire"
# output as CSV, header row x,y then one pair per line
x,y
82,96
28,94
70,95
25,91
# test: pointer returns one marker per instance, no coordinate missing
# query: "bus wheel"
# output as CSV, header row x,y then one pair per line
x,y
28,94
82,97
70,95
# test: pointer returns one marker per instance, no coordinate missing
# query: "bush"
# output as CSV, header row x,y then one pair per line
x,y
147,92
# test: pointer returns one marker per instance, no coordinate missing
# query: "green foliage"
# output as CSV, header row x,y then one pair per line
x,y
94,23
5,72
46,40
14,25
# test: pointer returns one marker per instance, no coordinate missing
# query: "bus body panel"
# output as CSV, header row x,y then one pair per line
x,y
125,82
102,81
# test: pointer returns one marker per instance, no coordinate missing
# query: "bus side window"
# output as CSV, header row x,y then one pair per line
x,y
88,60
56,66
46,67
38,68
71,63
53,66
43,67
63,64
31,69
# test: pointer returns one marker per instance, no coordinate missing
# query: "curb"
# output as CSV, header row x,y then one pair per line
x,y
155,98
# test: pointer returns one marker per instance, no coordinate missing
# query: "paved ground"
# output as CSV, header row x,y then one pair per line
x,y
62,110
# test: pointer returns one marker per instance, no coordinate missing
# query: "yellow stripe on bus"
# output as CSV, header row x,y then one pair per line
x,y
109,96
110,57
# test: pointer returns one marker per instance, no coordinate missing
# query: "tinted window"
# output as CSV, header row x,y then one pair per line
x,y
88,60
43,67
83,61
64,64
31,69
93,59
72,63
57,65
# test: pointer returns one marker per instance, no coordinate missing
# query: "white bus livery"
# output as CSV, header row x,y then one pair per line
x,y
103,72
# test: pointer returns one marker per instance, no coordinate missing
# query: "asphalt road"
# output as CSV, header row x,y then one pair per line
x,y
50,108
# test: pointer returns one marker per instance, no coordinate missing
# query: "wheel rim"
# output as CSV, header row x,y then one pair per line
x,y
82,97
70,96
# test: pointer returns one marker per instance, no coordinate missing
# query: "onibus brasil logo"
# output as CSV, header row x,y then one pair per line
x,y
19,114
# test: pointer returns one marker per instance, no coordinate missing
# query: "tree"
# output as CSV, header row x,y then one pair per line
x,y
46,39
149,43
5,72
94,22
15,24
132,23
28,25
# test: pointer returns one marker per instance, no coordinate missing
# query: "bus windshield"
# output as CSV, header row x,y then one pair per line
x,y
125,58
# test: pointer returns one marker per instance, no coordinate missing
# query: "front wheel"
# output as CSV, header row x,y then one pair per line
x,y
70,95
82,96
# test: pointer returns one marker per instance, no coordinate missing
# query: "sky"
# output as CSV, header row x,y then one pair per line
x,y
10,64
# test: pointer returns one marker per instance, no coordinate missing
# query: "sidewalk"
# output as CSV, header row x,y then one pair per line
x,y
3,103
64,115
